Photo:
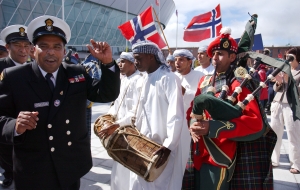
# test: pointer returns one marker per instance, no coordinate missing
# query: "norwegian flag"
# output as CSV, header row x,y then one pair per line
x,y
141,28
204,26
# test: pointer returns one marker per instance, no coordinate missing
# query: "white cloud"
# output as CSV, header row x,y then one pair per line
x,y
277,20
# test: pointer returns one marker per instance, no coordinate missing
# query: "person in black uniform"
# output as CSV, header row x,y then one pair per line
x,y
3,50
18,45
43,107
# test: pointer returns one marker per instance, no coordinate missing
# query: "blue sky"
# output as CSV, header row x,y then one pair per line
x,y
278,20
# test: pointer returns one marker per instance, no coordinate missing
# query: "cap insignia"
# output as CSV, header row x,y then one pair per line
x,y
49,24
22,31
226,44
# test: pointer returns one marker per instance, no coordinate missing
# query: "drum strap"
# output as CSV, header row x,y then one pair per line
x,y
134,117
122,99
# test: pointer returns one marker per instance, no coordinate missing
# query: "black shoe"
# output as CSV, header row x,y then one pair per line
x,y
7,182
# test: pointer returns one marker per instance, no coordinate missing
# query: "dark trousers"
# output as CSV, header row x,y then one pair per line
x,y
263,103
6,161
271,95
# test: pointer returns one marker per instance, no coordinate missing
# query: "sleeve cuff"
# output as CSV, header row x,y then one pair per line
x,y
111,66
216,127
16,134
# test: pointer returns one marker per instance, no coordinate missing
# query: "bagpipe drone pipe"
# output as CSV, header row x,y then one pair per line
x,y
220,109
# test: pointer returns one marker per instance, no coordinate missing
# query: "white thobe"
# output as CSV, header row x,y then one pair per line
x,y
160,117
120,176
190,83
207,71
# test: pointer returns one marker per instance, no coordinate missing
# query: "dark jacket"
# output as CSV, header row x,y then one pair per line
x,y
57,153
5,63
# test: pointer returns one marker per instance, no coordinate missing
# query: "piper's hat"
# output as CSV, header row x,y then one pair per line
x,y
14,33
223,42
2,46
128,56
184,53
170,58
48,25
202,49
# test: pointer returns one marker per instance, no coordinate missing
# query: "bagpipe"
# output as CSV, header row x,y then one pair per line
x,y
225,107
220,108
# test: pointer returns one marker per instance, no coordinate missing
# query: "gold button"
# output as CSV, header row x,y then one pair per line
x,y
68,132
49,126
51,138
69,143
67,121
52,149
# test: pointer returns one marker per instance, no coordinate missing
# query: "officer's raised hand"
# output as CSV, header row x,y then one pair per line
x,y
26,120
101,51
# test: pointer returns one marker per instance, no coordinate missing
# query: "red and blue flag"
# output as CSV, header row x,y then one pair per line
x,y
142,28
204,26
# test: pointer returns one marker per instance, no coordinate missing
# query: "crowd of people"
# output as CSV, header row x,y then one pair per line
x,y
46,100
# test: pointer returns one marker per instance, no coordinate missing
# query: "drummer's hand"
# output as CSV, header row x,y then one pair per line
x,y
198,129
163,154
108,131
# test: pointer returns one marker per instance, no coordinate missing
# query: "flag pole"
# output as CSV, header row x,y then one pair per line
x,y
63,9
159,10
176,28
126,49
161,30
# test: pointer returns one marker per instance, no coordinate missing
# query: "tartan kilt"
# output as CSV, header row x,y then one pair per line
x,y
253,168
188,177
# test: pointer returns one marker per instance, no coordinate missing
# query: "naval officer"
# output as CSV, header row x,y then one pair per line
x,y
43,107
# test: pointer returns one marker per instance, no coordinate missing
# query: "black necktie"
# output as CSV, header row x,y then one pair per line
x,y
49,81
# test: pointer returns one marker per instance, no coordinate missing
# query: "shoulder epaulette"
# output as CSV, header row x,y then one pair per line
x,y
206,81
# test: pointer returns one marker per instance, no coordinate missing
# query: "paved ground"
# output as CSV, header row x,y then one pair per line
x,y
99,176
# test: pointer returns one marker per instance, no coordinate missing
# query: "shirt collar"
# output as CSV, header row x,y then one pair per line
x,y
44,72
16,63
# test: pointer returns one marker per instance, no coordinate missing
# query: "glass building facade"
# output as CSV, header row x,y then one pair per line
x,y
87,19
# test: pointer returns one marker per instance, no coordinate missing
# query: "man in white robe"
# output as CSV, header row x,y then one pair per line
x,y
123,109
189,78
189,81
160,116
206,66
171,62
